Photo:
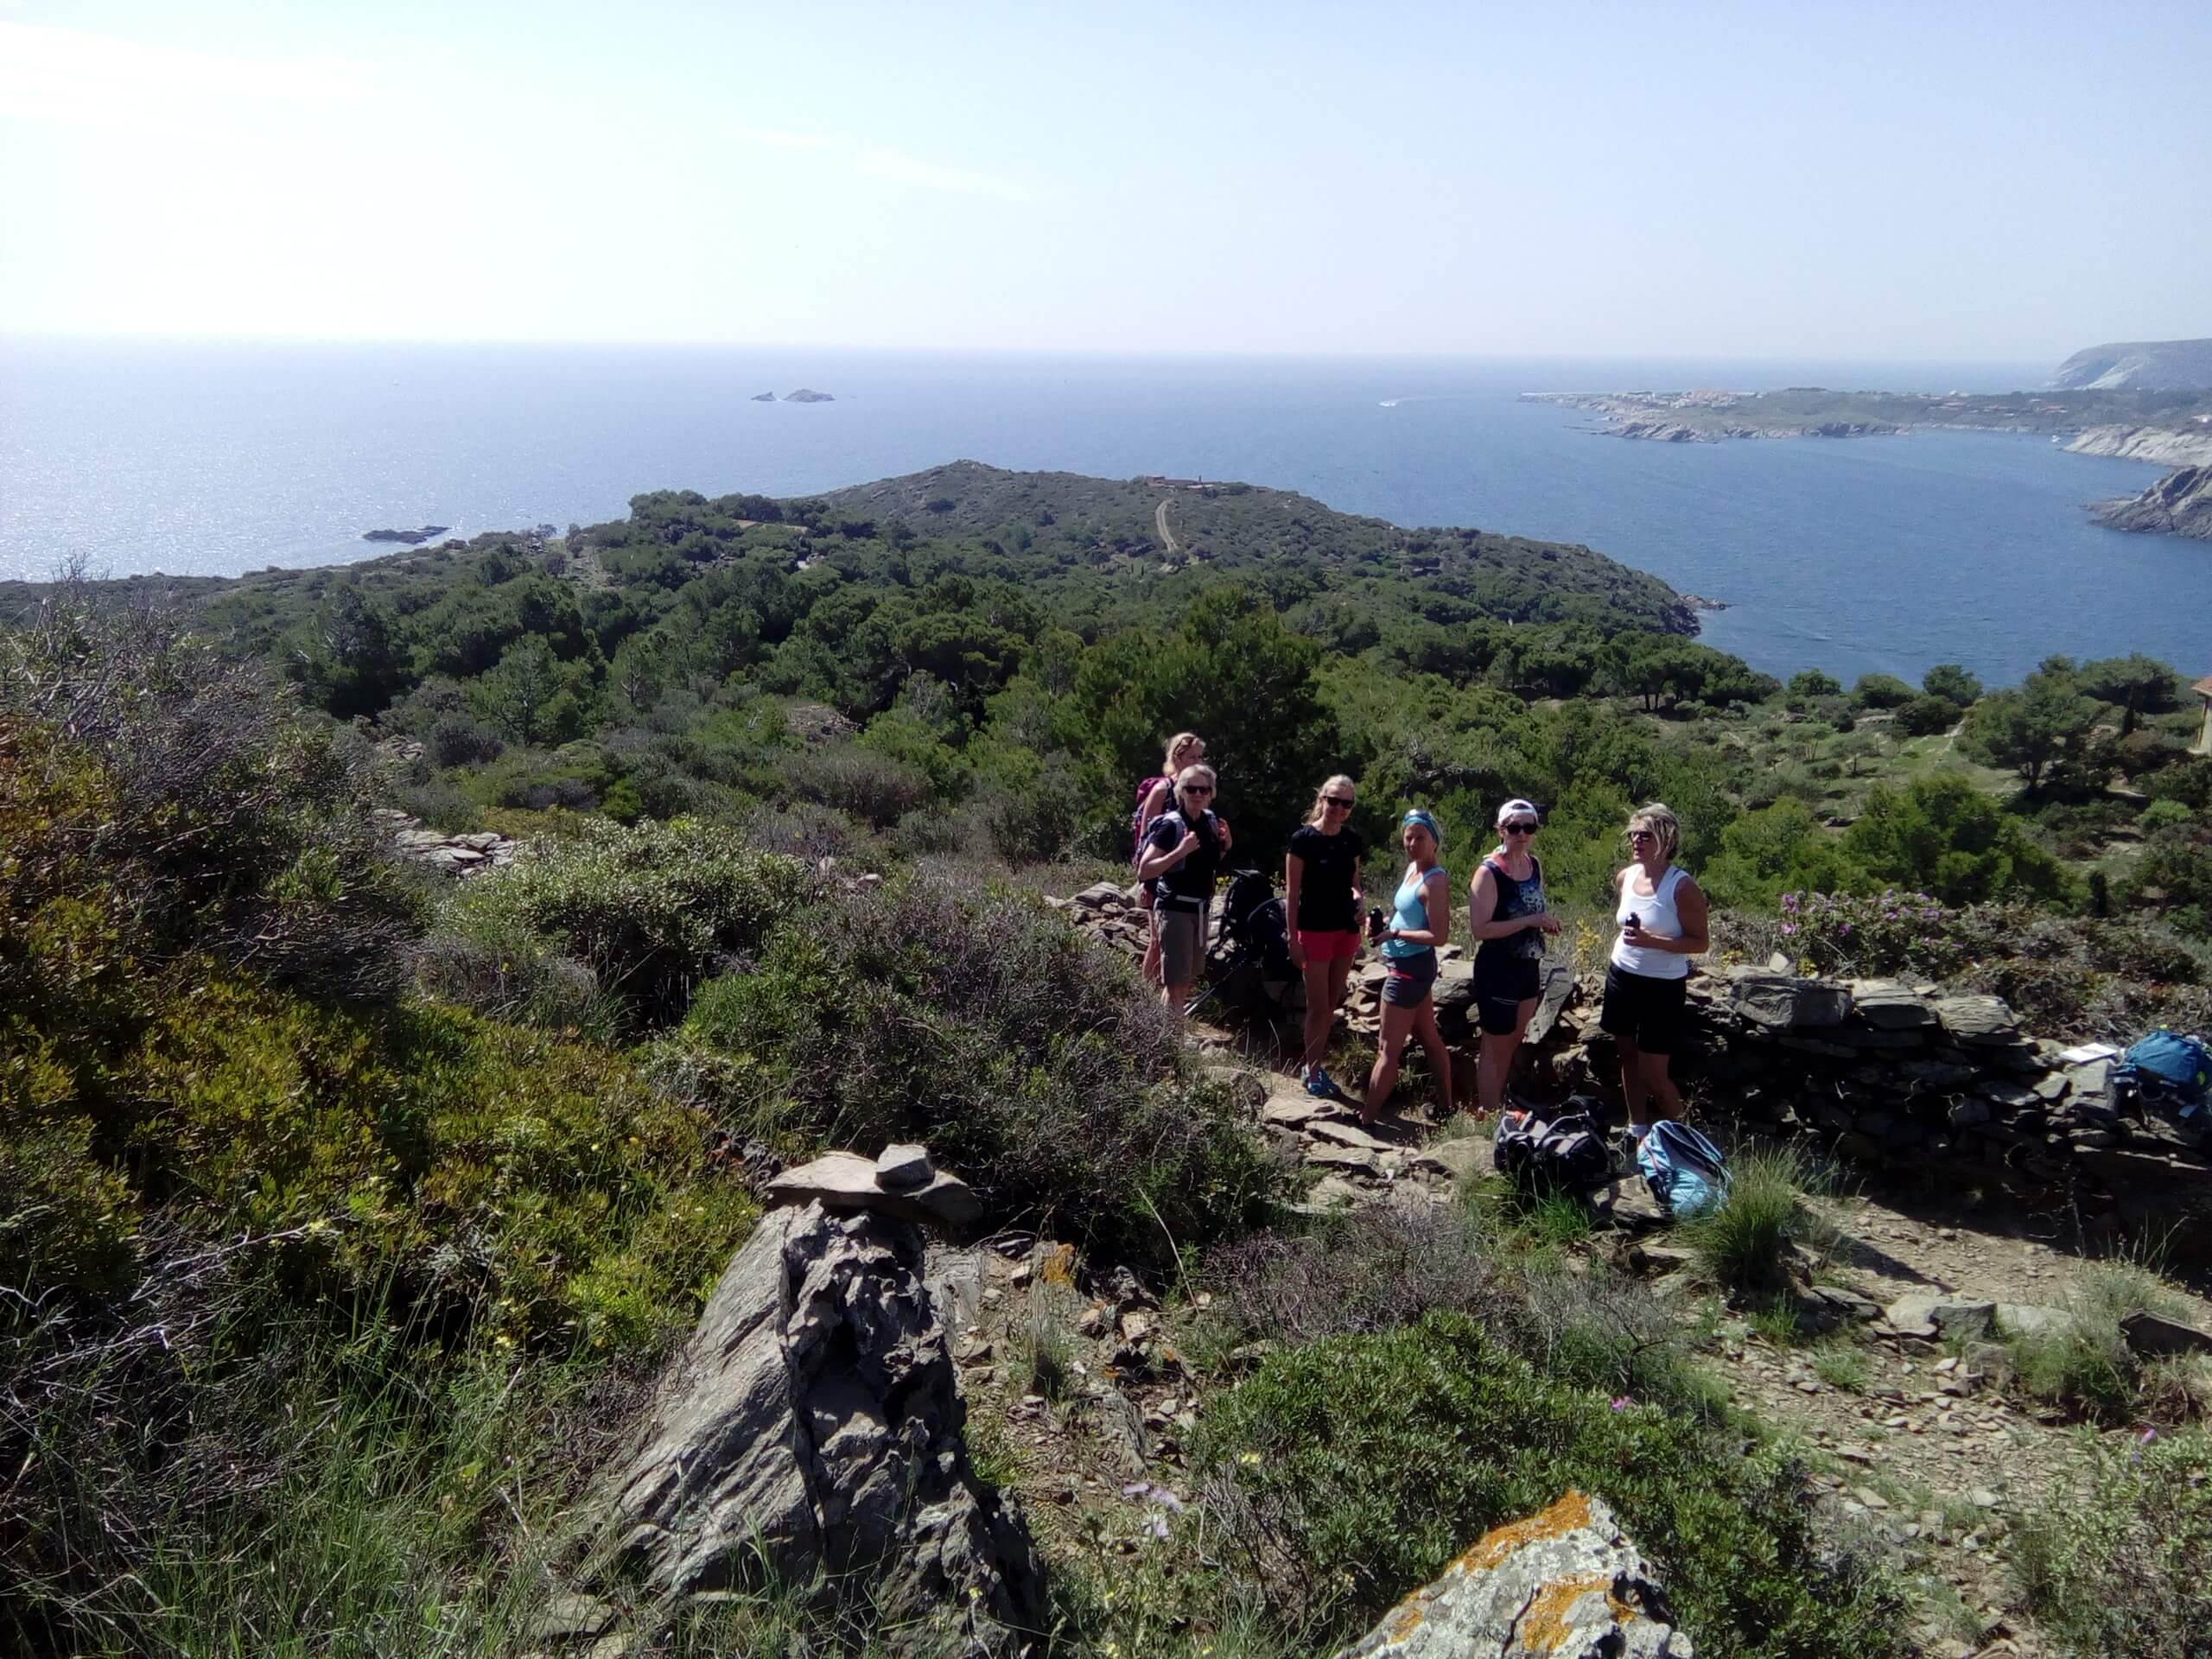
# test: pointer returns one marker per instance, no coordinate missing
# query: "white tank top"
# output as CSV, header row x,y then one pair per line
x,y
1660,916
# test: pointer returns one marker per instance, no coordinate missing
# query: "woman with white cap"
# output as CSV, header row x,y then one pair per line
x,y
1508,917
1420,920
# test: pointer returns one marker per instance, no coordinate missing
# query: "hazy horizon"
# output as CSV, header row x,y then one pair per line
x,y
1888,185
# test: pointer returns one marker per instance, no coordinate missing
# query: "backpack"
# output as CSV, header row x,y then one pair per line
x,y
1137,821
1566,1155
2167,1068
1684,1170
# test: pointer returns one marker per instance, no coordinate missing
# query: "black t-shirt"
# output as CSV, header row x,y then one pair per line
x,y
1331,863
1193,877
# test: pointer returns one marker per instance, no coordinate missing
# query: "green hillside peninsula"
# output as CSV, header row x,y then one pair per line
x,y
1707,417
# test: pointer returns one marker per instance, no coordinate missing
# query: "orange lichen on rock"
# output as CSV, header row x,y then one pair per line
x,y
1547,1623
1572,1511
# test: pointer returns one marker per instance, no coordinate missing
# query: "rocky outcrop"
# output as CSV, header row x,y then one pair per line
x,y
1565,1584
813,1424
2138,366
2168,446
462,854
807,395
2180,503
764,397
411,537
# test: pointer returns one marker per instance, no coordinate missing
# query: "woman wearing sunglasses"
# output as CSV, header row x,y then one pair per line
x,y
1420,920
1662,920
1182,854
1321,906
1506,913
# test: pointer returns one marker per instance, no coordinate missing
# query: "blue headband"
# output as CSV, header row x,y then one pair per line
x,y
1417,816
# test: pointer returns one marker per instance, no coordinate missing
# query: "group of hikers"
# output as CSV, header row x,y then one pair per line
x,y
1183,842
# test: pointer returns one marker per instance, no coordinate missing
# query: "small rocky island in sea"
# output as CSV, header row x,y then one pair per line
x,y
412,537
764,396
803,395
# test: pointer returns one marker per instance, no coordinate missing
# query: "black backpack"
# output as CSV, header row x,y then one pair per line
x,y
1566,1155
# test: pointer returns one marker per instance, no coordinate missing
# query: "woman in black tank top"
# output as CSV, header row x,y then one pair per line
x,y
1508,917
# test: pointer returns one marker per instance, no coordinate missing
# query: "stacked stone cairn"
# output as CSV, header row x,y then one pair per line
x,y
453,855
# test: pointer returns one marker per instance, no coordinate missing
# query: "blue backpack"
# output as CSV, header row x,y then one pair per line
x,y
2169,1068
1684,1170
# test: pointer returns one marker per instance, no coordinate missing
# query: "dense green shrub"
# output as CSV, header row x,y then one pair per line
x,y
1943,836
1351,1471
2125,1567
1925,716
975,1019
653,911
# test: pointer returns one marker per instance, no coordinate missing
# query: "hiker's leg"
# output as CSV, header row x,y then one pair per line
x,y
1397,1026
1493,1059
1659,1088
1632,1082
1320,1011
1440,1057
1152,947
1178,955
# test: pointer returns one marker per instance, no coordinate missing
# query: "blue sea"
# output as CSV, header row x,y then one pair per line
x,y
1880,554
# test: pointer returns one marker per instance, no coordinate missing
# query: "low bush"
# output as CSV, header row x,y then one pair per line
x,y
1583,1324
1348,1471
2085,1365
2125,1566
654,911
877,788
975,1018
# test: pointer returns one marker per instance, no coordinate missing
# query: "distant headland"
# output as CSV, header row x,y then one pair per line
x,y
803,395
2148,401
411,537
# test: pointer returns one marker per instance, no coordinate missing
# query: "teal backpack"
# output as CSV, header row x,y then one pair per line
x,y
2169,1069
1684,1170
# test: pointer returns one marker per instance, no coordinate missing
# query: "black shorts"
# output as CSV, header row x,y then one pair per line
x,y
1411,979
1502,985
1642,1010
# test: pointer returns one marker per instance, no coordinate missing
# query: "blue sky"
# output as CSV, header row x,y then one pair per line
x,y
1949,182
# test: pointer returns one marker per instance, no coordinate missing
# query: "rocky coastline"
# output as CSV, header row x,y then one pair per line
x,y
2180,503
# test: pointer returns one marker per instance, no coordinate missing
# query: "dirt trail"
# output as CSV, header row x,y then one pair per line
x,y
1166,535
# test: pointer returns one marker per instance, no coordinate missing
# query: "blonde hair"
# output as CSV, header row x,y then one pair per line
x,y
1176,745
1320,810
1660,819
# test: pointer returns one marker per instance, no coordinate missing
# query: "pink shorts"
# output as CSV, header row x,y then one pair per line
x,y
1341,945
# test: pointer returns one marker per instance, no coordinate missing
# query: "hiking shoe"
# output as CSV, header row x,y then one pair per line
x,y
1322,1086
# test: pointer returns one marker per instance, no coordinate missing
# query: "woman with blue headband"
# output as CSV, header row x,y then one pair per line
x,y
1420,920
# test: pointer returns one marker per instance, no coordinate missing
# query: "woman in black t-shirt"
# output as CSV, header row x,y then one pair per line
x,y
1321,914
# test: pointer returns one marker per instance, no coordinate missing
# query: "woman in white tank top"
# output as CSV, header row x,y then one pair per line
x,y
1662,922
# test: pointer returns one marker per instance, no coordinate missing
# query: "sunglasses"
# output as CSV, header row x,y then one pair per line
x,y
1522,828
1643,835
1337,800
1196,789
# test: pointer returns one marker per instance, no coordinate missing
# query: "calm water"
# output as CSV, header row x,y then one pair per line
x,y
1878,554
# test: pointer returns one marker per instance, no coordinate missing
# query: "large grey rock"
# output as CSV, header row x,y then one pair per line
x,y
904,1168
1890,1004
814,1420
846,1181
1565,1584
1980,1021
2026,1319
1931,1315
1553,993
2155,1336
1785,1002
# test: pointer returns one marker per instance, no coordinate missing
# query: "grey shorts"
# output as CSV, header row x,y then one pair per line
x,y
1182,944
1411,980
